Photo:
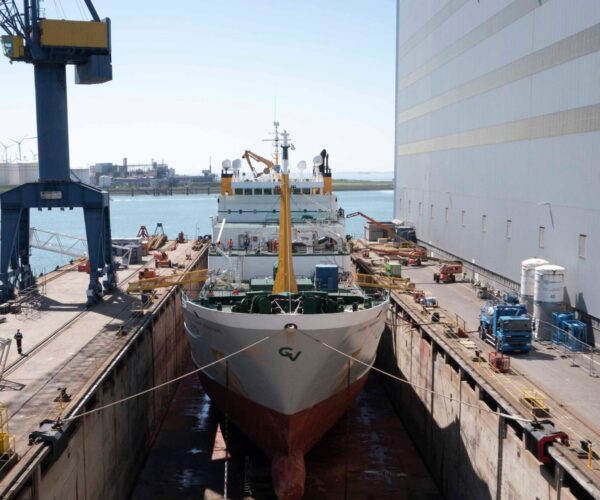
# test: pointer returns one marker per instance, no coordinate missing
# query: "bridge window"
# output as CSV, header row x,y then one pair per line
x,y
268,191
248,191
258,191
239,191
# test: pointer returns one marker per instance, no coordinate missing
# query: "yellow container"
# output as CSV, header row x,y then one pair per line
x,y
13,46
84,34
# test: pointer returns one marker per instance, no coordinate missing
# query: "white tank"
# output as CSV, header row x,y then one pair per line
x,y
549,284
528,275
548,297
528,279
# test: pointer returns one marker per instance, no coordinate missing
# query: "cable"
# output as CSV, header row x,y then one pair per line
x,y
176,379
414,386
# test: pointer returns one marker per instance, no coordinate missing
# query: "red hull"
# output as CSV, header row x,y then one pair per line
x,y
284,438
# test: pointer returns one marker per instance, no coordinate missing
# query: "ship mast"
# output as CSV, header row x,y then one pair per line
x,y
285,280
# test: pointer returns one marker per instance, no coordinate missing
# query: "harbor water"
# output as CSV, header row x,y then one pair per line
x,y
190,214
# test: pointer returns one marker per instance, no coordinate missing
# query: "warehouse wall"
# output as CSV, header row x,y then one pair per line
x,y
498,133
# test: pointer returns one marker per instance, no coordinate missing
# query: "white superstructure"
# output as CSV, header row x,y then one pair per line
x,y
498,134
246,226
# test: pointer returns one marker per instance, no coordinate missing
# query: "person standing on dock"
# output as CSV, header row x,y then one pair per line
x,y
19,339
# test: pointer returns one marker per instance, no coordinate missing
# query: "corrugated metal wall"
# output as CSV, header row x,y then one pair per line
x,y
498,133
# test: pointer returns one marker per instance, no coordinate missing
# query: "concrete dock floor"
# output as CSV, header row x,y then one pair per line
x,y
572,395
573,388
65,344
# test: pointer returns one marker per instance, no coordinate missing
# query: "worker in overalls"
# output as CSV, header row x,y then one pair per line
x,y
19,339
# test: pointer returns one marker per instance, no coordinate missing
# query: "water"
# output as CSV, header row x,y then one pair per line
x,y
384,175
190,214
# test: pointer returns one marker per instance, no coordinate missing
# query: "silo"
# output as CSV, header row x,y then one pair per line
x,y
548,295
528,279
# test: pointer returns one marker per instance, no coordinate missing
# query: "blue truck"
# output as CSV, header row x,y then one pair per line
x,y
506,326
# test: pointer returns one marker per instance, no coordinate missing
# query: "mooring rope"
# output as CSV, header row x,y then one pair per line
x,y
414,386
176,379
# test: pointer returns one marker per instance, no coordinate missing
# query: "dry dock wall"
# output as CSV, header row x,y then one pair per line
x,y
106,450
459,438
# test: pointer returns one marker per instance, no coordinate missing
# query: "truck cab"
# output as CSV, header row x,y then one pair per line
x,y
507,327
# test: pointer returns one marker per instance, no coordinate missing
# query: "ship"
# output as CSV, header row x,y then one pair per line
x,y
281,298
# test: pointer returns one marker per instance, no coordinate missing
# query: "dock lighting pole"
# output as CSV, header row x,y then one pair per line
x,y
50,45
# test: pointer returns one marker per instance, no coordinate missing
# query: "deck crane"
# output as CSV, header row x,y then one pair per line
x,y
419,251
50,45
250,155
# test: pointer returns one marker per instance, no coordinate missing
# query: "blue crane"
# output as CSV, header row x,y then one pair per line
x,y
50,45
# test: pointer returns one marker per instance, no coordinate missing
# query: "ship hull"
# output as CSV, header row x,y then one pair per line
x,y
286,392
285,439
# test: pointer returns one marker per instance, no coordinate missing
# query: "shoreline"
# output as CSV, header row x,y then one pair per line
x,y
215,187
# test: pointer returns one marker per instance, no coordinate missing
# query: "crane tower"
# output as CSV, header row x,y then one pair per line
x,y
50,45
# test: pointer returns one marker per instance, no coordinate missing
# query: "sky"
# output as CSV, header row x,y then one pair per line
x,y
194,79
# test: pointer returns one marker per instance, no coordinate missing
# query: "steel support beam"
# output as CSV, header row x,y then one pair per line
x,y
52,122
15,270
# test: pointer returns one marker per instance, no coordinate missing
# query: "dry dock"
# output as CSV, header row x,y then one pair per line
x,y
367,454
98,355
453,402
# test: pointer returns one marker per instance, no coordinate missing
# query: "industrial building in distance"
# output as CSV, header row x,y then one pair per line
x,y
153,175
497,137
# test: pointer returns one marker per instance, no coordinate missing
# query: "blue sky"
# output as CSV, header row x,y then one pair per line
x,y
199,78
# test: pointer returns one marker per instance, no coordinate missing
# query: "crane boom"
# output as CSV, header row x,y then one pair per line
x,y
383,227
250,155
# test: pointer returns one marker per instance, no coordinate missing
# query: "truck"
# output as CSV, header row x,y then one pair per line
x,y
448,272
506,326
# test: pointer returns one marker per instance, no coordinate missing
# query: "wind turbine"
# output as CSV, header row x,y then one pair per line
x,y
19,143
6,148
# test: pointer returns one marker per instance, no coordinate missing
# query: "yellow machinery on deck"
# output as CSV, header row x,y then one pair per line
x,y
188,278
381,281
7,442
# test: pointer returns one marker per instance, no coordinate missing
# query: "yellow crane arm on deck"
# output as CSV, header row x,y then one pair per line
x,y
146,285
250,155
